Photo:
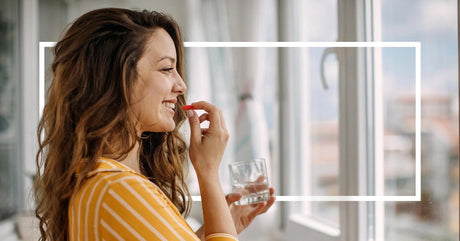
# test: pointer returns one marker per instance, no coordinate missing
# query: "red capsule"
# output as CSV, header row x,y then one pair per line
x,y
188,107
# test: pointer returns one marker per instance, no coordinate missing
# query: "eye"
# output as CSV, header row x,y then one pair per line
x,y
169,70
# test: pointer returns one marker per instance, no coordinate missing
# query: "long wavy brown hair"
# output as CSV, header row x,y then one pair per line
x,y
88,113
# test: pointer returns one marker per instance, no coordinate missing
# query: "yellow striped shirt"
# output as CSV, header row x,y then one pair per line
x,y
117,203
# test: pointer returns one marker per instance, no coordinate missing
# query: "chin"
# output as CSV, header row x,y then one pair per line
x,y
161,126
167,128
170,129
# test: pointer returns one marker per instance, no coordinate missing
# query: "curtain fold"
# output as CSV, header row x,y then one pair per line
x,y
247,23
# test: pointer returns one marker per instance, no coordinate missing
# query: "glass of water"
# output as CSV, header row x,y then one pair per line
x,y
250,179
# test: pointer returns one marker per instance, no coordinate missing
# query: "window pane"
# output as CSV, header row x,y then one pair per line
x,y
433,23
318,165
399,120
324,137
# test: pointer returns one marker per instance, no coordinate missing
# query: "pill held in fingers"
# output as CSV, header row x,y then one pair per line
x,y
188,107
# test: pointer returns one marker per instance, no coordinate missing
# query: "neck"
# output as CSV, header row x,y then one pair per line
x,y
132,159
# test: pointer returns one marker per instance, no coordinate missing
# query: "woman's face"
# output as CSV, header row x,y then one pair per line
x,y
158,85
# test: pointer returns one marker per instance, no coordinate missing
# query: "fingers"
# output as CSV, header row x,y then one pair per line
x,y
270,201
194,126
260,178
204,117
257,187
195,121
204,131
214,113
215,117
263,207
269,204
233,197
258,209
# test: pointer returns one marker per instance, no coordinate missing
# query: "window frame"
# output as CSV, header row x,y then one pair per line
x,y
29,26
356,108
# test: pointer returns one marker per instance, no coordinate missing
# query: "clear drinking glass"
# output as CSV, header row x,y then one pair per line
x,y
250,179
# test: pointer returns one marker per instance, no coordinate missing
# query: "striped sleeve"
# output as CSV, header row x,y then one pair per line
x,y
134,209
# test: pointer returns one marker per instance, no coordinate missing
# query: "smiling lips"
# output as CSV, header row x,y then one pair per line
x,y
170,105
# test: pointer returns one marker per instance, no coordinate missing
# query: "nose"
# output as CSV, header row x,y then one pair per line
x,y
179,86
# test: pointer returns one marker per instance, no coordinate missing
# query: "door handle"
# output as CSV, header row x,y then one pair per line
x,y
327,51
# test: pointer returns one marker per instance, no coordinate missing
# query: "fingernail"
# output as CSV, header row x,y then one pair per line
x,y
189,113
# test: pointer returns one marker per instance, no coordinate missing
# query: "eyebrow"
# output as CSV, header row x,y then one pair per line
x,y
167,57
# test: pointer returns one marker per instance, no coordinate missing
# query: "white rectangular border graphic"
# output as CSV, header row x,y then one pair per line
x,y
416,45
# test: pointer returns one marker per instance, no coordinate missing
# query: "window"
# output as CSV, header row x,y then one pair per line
x,y
376,123
433,23
325,128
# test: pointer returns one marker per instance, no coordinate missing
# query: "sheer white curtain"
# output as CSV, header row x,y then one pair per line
x,y
209,69
254,72
235,78
232,78
247,24
252,21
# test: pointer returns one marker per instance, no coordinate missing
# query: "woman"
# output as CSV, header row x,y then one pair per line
x,y
112,157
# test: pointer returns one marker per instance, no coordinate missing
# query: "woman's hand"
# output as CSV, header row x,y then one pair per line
x,y
207,145
243,215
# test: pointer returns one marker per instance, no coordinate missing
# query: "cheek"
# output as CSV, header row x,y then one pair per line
x,y
152,107
141,104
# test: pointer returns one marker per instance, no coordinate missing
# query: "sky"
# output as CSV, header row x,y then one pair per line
x,y
433,23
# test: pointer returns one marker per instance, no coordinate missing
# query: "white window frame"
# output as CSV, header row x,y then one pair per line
x,y
29,94
356,123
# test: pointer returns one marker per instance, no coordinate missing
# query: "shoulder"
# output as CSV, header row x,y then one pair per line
x,y
114,182
114,176
129,188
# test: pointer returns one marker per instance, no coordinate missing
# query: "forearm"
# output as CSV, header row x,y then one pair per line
x,y
216,214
